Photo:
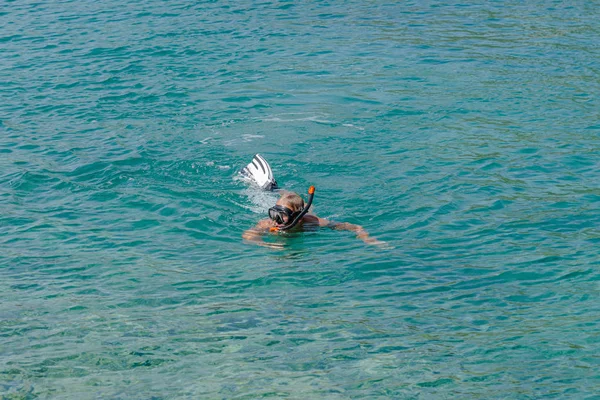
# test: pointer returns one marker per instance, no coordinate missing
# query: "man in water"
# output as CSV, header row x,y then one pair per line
x,y
290,212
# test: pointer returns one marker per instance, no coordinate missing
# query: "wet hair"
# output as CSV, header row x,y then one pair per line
x,y
292,200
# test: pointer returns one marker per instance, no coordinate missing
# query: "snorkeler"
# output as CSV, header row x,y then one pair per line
x,y
290,211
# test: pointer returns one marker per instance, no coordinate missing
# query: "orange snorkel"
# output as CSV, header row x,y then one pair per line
x,y
311,194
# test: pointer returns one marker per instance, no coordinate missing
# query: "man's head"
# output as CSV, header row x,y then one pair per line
x,y
292,201
287,208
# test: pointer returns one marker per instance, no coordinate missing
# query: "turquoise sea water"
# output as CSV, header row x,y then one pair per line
x,y
467,136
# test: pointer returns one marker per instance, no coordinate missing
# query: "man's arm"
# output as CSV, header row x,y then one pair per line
x,y
255,235
361,233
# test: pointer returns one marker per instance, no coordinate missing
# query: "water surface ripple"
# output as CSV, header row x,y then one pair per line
x,y
464,135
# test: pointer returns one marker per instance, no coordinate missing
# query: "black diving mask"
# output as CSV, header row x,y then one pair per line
x,y
277,214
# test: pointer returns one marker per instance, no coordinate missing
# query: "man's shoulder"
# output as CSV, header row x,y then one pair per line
x,y
313,219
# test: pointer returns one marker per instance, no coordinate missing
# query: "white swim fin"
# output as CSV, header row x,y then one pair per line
x,y
259,171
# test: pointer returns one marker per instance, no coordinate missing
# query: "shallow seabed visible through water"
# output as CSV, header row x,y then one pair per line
x,y
464,135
